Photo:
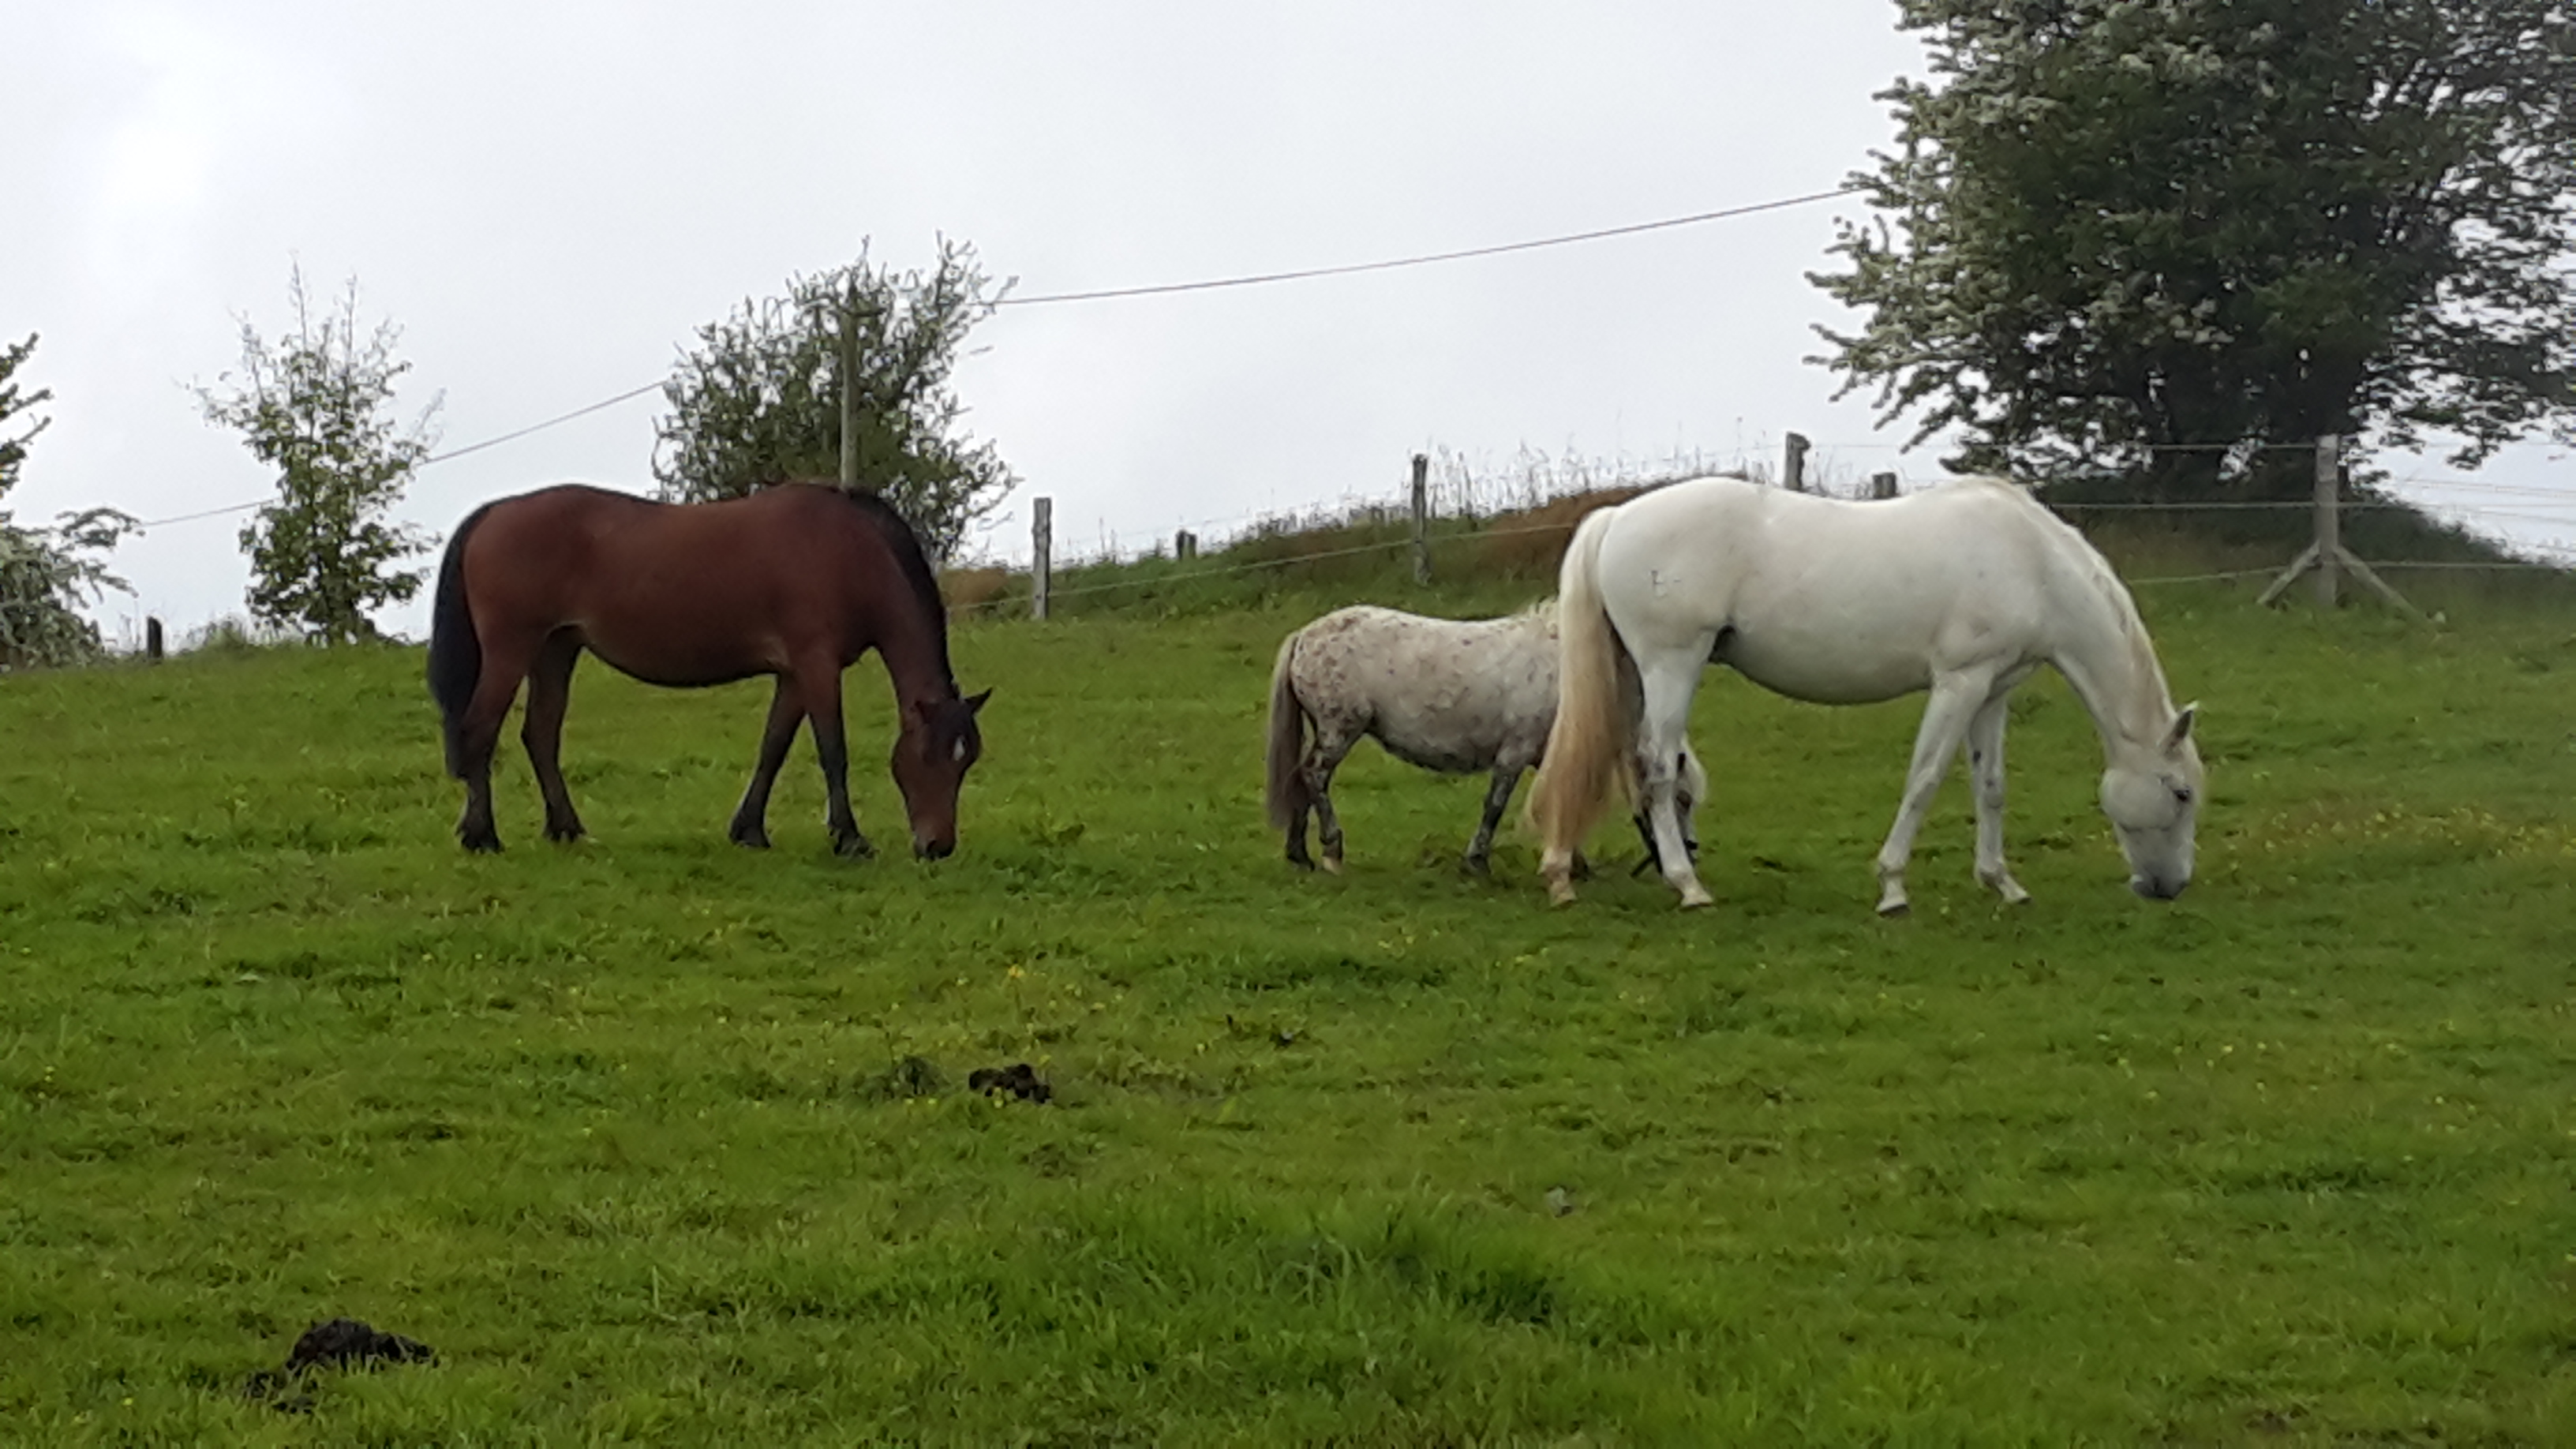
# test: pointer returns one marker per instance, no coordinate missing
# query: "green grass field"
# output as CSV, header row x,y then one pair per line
x,y
660,1141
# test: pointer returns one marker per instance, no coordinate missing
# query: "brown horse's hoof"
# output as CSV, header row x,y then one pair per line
x,y
749,837
487,843
566,835
854,847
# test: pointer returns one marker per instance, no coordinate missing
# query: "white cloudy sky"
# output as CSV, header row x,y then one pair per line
x,y
550,197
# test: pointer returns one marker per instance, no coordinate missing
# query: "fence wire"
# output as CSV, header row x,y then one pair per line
x,y
1359,514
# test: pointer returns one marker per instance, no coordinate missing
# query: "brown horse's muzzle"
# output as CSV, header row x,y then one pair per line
x,y
933,849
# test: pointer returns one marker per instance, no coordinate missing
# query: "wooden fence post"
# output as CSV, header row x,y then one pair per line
x,y
1185,545
151,638
2326,553
1793,463
2329,498
1421,518
1882,485
849,310
1041,558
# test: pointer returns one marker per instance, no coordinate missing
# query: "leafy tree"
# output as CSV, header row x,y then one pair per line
x,y
13,450
758,401
315,405
46,574
2125,225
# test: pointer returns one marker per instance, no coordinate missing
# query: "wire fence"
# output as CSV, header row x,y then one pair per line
x,y
1480,509
1475,499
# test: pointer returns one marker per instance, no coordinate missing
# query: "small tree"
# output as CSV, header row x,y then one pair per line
x,y
2147,227
46,574
316,406
758,401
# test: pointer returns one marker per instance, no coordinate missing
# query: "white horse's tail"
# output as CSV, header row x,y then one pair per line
x,y
1588,748
1287,788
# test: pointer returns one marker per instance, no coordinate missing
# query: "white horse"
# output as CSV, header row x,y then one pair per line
x,y
1963,591
1450,695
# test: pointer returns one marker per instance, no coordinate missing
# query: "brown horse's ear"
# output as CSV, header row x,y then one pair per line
x,y
975,702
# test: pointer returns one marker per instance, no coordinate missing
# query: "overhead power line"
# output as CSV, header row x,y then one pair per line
x,y
1428,259
631,393
149,524
609,402
1162,289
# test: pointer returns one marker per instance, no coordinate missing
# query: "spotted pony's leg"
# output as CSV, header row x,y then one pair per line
x,y
1323,757
1480,850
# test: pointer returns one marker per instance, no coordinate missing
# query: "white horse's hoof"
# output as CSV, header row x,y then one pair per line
x,y
1560,892
2004,886
1693,900
1332,865
1893,907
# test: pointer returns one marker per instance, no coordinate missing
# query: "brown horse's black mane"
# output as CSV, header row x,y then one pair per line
x,y
911,561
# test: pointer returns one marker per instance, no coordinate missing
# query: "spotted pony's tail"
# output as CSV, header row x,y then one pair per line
x,y
1287,795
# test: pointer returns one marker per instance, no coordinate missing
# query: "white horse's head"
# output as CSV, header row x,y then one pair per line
x,y
2152,795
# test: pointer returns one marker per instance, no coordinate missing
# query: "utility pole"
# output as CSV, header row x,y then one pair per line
x,y
849,312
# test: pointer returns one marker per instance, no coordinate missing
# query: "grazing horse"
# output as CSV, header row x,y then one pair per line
x,y
795,581
1962,590
1451,695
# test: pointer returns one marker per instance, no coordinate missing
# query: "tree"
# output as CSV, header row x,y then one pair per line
x,y
2131,229
46,574
316,406
758,402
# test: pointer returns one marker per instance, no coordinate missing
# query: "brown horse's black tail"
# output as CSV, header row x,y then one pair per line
x,y
455,653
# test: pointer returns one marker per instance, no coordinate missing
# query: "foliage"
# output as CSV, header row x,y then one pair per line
x,y
625,1131
2135,224
13,402
233,634
47,574
315,406
758,401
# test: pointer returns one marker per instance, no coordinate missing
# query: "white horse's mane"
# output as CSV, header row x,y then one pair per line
x,y
2098,573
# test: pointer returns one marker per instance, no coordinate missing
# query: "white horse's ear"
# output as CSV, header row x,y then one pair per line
x,y
2181,730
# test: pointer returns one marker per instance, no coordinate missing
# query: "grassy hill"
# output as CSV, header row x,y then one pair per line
x,y
1505,553
660,1141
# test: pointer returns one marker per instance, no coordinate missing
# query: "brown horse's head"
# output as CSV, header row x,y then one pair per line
x,y
938,744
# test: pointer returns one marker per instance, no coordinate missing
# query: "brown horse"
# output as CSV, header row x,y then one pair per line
x,y
795,581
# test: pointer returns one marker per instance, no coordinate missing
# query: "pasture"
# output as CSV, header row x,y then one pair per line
x,y
657,1140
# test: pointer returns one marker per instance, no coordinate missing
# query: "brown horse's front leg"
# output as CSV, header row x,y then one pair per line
x,y
750,827
821,689
541,730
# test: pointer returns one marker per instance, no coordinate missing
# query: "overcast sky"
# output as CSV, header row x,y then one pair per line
x,y
550,198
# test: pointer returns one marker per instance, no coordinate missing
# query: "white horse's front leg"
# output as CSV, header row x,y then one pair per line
x,y
1945,721
1986,774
